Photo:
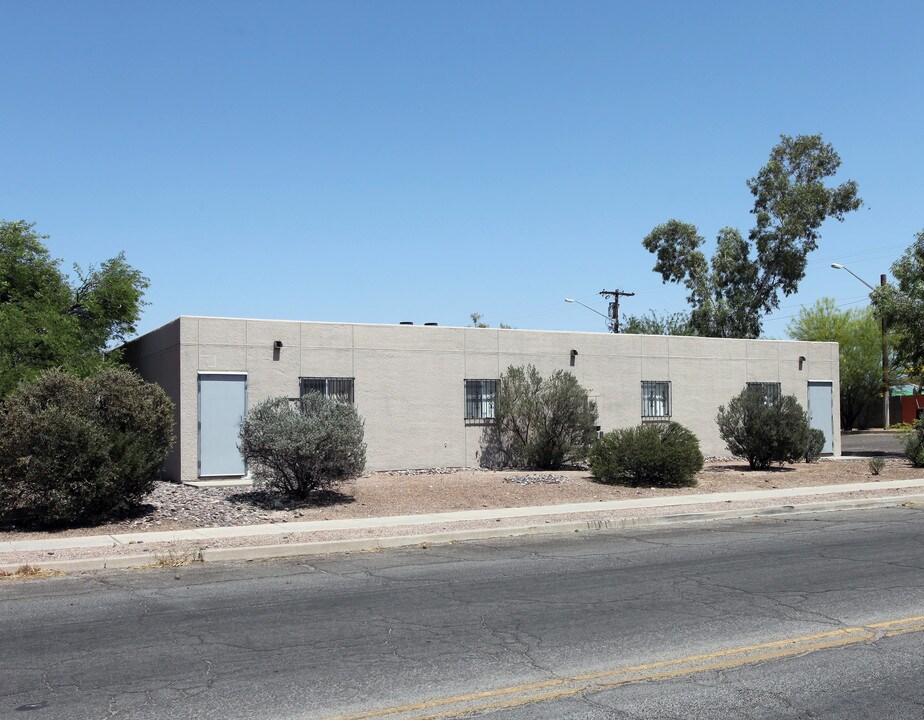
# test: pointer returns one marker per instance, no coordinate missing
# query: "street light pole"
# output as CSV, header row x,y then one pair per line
x,y
578,302
886,389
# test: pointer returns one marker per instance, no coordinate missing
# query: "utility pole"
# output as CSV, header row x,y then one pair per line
x,y
886,384
614,306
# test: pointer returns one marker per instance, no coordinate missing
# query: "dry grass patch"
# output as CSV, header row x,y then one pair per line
x,y
176,558
30,572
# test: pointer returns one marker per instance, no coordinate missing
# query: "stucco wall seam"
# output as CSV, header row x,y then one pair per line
x,y
413,398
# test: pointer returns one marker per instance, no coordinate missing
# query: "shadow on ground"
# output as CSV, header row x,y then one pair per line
x,y
744,467
273,501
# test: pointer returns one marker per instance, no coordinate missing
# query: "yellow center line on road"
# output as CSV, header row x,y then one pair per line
x,y
566,687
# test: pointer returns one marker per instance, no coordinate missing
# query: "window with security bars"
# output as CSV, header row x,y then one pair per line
x,y
771,390
479,399
335,387
656,399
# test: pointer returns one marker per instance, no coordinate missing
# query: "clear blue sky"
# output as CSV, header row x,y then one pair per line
x,y
387,161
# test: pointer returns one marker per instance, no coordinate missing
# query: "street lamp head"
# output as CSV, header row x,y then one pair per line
x,y
838,266
569,300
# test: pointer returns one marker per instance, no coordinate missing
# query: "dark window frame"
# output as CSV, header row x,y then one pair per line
x,y
651,399
341,388
771,390
479,395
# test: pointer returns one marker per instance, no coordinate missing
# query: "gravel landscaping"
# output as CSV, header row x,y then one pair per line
x,y
172,506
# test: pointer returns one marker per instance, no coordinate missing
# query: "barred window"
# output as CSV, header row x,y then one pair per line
x,y
656,399
770,390
335,387
479,399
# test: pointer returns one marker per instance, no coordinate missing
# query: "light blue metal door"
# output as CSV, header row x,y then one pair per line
x,y
821,411
222,404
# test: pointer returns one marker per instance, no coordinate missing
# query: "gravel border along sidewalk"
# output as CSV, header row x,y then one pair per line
x,y
174,554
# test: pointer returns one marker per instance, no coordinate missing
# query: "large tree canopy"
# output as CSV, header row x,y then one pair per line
x,y
730,295
903,307
654,324
858,333
47,321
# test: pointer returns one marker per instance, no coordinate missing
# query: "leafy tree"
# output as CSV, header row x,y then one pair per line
x,y
543,423
478,322
298,448
654,324
859,336
46,321
903,307
730,295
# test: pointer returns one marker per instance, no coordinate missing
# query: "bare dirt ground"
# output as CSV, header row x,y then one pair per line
x,y
174,507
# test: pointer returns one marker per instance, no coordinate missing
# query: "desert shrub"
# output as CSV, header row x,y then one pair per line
x,y
79,450
914,444
876,464
764,430
814,444
657,454
543,423
297,448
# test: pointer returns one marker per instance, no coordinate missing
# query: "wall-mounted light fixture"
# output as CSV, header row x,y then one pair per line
x,y
573,356
801,360
277,345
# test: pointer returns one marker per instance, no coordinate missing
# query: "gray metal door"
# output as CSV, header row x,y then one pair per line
x,y
821,411
222,404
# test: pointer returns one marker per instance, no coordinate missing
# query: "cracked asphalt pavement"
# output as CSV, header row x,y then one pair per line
x,y
416,628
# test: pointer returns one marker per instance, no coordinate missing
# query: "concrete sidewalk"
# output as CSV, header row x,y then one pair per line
x,y
366,533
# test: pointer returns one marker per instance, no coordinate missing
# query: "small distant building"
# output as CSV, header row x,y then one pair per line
x,y
426,392
905,406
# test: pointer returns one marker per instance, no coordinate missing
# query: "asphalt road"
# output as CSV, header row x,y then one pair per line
x,y
872,442
800,617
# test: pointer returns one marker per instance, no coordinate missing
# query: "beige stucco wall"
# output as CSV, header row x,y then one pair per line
x,y
156,357
409,379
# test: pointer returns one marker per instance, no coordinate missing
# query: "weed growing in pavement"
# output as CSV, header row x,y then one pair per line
x,y
177,558
29,572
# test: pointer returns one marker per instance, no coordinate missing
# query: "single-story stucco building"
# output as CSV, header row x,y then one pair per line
x,y
426,392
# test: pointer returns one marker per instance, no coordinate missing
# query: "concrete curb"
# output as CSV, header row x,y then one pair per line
x,y
204,534
269,552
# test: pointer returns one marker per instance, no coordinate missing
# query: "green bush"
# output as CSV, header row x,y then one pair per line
x,y
815,443
80,450
764,430
656,454
543,423
297,448
902,427
914,445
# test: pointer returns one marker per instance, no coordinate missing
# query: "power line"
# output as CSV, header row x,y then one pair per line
x,y
843,304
